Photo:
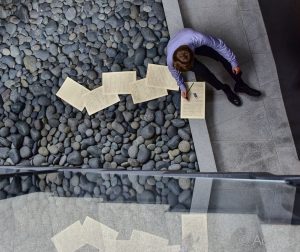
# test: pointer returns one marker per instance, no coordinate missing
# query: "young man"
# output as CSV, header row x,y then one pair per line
x,y
181,50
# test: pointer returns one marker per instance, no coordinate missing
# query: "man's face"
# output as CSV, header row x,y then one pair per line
x,y
184,56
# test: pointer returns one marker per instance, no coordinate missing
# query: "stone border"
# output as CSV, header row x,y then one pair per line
x,y
202,144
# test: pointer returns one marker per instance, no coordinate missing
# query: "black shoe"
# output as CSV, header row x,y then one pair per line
x,y
232,97
244,88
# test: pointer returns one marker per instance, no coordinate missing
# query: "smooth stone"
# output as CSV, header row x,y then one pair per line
x,y
4,142
193,157
148,131
42,55
184,135
178,123
174,167
148,34
173,142
139,56
118,127
4,152
23,128
14,155
43,151
150,165
94,163
158,11
149,115
70,14
74,158
133,151
25,152
91,36
22,13
51,27
38,160
184,146
143,155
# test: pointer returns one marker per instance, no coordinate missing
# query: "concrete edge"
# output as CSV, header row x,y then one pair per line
x,y
203,148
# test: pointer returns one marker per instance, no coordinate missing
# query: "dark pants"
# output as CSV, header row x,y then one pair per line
x,y
204,74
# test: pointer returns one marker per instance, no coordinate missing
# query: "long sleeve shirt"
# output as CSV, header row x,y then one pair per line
x,y
194,39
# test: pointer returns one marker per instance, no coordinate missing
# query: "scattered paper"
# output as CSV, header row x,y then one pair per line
x,y
70,239
72,93
97,100
194,107
141,92
194,232
118,82
160,77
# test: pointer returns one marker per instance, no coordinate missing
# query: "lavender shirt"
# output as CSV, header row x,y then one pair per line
x,y
194,39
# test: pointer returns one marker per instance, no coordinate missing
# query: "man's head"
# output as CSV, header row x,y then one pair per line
x,y
183,58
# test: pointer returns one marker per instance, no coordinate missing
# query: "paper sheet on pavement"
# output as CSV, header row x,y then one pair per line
x,y
96,100
141,92
72,93
118,82
194,108
160,77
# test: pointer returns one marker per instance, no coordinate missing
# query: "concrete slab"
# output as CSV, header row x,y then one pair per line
x,y
246,156
260,126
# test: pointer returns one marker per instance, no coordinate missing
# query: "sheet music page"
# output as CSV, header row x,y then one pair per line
x,y
72,93
97,100
118,82
194,108
141,92
160,77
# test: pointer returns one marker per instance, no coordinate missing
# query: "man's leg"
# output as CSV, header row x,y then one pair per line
x,y
202,73
240,85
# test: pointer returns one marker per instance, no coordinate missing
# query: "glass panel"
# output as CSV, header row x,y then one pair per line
x,y
154,213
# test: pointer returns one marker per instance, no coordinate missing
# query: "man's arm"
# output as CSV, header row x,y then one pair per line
x,y
216,44
178,77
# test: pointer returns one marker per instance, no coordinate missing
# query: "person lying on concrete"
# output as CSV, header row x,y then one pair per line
x,y
181,51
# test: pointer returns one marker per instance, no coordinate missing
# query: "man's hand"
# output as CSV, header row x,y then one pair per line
x,y
184,94
236,70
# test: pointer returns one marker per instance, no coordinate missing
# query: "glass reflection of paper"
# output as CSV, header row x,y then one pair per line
x,y
160,77
70,239
194,107
118,82
72,93
97,100
96,234
141,92
195,232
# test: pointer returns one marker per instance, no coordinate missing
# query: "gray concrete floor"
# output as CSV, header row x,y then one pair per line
x,y
255,137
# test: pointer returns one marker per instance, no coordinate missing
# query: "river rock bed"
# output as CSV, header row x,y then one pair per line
x,y
45,41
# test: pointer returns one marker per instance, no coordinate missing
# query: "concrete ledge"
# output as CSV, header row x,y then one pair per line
x,y
203,148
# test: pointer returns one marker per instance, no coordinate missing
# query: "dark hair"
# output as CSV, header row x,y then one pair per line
x,y
184,62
